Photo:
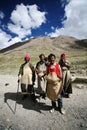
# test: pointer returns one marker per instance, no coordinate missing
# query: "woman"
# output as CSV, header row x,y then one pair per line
x,y
41,71
26,76
67,84
54,84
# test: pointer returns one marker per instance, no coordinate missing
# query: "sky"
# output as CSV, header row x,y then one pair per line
x,y
21,20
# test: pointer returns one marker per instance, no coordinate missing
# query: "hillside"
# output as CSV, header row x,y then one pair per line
x,y
76,51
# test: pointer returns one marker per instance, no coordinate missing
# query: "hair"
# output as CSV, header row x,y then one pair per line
x,y
62,54
46,58
49,56
41,55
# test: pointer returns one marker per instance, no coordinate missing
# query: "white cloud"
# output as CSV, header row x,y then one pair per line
x,y
37,17
76,20
7,39
21,32
2,15
15,40
64,2
24,18
4,39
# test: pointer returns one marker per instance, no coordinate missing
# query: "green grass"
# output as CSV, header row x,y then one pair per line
x,y
14,61
80,80
10,61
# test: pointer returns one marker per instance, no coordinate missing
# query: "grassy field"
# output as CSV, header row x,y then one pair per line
x,y
11,60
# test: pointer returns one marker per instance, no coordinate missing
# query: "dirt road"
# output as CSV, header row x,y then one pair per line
x,y
36,116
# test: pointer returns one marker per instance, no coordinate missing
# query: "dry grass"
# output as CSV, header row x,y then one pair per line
x,y
11,59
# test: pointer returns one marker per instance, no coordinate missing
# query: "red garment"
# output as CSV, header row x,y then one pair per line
x,y
55,69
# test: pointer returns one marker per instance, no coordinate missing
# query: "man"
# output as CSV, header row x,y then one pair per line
x,y
41,71
26,77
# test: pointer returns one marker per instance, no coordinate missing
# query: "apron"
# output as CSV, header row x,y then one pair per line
x,y
26,78
54,84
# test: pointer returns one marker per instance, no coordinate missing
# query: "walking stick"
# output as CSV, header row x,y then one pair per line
x,y
16,98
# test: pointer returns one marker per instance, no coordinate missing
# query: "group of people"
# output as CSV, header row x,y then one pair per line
x,y
53,79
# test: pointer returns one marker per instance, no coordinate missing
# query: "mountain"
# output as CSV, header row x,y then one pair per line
x,y
61,42
76,51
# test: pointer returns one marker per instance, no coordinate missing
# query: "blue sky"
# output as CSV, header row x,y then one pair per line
x,y
24,19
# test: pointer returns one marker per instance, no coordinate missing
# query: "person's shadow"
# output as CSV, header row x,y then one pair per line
x,y
27,103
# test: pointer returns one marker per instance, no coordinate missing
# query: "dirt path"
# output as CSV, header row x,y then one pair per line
x,y
31,116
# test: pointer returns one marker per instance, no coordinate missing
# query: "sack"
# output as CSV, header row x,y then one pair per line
x,y
53,90
54,86
52,77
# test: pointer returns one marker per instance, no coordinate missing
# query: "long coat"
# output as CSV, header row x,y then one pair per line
x,y
27,76
67,84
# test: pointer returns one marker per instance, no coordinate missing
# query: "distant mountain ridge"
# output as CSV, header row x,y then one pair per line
x,y
62,41
13,46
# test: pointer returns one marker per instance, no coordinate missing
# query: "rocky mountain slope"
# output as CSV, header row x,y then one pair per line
x,y
76,51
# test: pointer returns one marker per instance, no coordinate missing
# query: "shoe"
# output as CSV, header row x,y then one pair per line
x,y
52,110
44,97
67,95
62,111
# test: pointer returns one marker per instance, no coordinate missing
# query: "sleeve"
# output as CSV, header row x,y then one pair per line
x,y
37,65
58,71
47,69
20,72
33,73
36,68
68,64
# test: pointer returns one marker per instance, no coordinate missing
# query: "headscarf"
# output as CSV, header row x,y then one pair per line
x,y
63,56
27,57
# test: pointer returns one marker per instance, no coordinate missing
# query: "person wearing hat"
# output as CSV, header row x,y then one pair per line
x,y
26,77
67,83
54,84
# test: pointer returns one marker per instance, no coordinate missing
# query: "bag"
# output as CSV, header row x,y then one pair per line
x,y
52,77
54,86
53,90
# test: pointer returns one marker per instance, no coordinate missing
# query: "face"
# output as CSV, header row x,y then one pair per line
x,y
27,60
42,58
52,60
63,57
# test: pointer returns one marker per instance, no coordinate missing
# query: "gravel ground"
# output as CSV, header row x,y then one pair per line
x,y
26,115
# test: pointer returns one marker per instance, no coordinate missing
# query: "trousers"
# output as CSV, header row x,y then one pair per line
x,y
59,101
